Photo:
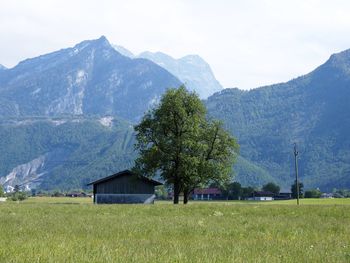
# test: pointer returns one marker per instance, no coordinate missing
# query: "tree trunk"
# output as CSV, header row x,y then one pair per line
x,y
176,193
186,194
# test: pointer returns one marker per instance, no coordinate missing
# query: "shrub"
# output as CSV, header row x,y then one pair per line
x,y
313,193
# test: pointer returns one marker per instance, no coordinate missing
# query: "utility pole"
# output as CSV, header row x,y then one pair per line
x,y
296,170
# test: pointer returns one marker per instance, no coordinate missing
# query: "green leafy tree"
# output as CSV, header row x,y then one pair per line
x,y
236,191
176,141
2,193
313,193
294,190
271,187
247,191
232,191
16,188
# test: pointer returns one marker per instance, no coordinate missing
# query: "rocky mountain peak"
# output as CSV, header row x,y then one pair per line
x,y
193,70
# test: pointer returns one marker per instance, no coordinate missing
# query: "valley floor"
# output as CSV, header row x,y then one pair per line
x,y
74,230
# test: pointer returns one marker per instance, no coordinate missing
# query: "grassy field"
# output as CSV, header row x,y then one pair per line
x,y
74,230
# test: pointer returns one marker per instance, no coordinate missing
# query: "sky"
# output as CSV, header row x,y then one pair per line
x,y
248,43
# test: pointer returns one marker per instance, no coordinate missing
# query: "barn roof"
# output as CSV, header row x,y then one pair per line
x,y
206,191
122,173
263,193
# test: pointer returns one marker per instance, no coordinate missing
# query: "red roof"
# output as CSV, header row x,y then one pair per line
x,y
207,191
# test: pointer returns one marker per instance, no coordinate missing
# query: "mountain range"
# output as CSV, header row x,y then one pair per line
x,y
192,70
90,78
67,118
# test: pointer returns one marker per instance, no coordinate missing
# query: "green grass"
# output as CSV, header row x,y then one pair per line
x,y
74,230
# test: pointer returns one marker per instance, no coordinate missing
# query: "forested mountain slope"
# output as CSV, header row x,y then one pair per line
x,y
312,110
63,153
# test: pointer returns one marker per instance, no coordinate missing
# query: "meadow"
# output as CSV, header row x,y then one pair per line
x,y
74,230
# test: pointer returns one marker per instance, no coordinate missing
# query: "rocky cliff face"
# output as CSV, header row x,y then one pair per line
x,y
192,70
91,78
26,175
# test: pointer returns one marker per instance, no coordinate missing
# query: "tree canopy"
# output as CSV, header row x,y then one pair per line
x,y
178,142
2,193
271,187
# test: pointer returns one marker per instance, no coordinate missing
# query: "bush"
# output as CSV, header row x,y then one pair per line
x,y
18,196
2,194
161,192
313,193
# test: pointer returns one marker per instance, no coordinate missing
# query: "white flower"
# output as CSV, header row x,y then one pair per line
x,y
201,223
218,213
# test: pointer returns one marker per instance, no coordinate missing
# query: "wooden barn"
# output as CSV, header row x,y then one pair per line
x,y
124,187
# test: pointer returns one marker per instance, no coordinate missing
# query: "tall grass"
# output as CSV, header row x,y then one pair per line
x,y
69,230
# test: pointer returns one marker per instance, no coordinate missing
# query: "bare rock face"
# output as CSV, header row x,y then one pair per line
x,y
191,70
91,78
26,175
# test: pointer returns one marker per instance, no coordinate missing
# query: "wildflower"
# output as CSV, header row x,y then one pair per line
x,y
201,223
218,213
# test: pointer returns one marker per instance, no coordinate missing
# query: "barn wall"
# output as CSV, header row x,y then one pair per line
x,y
125,198
125,184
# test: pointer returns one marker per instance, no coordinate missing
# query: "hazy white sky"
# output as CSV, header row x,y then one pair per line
x,y
248,43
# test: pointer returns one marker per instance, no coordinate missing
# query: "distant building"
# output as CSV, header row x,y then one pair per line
x,y
283,195
73,194
327,195
207,194
124,187
261,196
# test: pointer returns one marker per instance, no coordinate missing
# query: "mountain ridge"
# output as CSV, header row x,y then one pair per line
x,y
310,110
89,78
191,69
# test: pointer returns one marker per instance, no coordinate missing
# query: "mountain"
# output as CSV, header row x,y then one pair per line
x,y
191,70
91,78
123,51
2,67
63,153
312,110
66,118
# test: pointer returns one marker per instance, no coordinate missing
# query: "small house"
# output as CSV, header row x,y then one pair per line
x,y
261,196
283,195
124,187
206,194
327,195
